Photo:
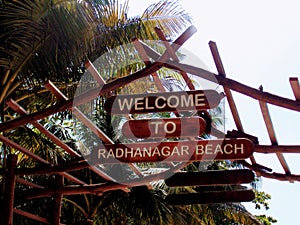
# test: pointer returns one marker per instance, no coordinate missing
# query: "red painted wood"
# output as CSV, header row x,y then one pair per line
x,y
167,127
207,178
7,204
202,150
210,197
162,102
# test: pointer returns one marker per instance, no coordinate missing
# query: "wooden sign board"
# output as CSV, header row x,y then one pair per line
x,y
210,197
167,127
208,178
162,102
174,151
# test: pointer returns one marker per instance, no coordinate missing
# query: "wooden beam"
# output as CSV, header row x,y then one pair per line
x,y
35,157
22,149
28,183
236,86
268,149
221,71
101,81
87,122
272,135
274,175
57,198
9,190
295,87
49,169
281,177
269,125
240,134
19,109
93,93
178,42
91,68
170,52
101,188
138,46
31,216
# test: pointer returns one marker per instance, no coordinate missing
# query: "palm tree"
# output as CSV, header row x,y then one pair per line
x,y
50,40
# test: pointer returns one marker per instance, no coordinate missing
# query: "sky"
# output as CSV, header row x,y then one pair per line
x,y
259,43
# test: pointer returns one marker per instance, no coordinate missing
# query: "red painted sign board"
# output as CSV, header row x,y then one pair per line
x,y
162,102
211,197
174,151
167,127
210,178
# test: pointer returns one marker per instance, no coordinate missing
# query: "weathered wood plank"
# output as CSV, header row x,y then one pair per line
x,y
173,151
37,158
210,197
162,102
225,82
269,125
19,109
269,149
9,190
167,127
295,87
210,178
31,216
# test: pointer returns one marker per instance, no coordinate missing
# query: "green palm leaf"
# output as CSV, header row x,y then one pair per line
x,y
49,40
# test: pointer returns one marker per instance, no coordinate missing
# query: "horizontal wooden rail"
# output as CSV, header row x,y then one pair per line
x,y
101,188
67,167
32,216
93,93
28,183
17,108
268,149
272,175
37,158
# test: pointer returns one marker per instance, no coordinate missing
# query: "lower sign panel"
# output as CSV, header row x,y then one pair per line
x,y
174,151
210,197
206,178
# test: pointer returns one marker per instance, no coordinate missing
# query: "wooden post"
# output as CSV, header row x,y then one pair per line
x,y
59,182
9,191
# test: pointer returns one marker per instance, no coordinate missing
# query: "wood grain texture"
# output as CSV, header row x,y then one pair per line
x,y
208,178
210,197
167,127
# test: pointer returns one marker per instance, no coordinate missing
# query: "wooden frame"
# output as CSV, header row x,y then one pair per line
x,y
169,60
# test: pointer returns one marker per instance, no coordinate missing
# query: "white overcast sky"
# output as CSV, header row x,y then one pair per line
x,y
259,43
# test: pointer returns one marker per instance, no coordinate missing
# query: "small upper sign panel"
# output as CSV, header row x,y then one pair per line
x,y
162,102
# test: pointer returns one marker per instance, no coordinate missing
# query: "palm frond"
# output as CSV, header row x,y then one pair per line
x,y
168,15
